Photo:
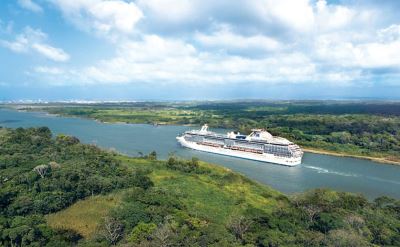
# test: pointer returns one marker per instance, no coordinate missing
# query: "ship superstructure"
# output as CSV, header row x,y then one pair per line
x,y
260,145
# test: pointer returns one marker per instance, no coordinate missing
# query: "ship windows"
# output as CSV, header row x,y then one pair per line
x,y
277,150
192,138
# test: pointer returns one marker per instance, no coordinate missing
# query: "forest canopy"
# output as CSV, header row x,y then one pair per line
x,y
167,203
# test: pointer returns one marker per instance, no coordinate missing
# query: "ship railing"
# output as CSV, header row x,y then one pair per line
x,y
236,148
197,132
210,144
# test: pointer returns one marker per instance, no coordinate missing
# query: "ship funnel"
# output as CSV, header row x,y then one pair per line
x,y
204,128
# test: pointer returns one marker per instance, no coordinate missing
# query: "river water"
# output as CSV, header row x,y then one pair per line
x,y
316,171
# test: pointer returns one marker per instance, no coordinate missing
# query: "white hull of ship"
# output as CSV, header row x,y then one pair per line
x,y
264,157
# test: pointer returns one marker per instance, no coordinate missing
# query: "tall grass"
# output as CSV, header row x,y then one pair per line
x,y
84,216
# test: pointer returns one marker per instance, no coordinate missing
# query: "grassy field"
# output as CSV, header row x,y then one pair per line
x,y
213,198
84,216
216,199
139,115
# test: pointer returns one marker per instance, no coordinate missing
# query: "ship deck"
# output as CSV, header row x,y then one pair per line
x,y
224,137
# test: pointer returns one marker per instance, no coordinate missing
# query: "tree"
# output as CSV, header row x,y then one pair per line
x,y
67,140
195,161
312,211
310,238
383,201
163,235
339,238
27,231
152,155
112,230
328,221
356,222
142,231
239,226
41,170
54,165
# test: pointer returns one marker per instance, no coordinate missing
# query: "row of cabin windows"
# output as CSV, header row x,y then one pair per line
x,y
244,145
214,140
277,150
267,148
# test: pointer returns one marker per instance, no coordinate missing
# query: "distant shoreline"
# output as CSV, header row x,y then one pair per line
x,y
375,159
305,149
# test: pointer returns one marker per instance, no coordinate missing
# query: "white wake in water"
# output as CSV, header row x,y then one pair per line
x,y
383,180
326,171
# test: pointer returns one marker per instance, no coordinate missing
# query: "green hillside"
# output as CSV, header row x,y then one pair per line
x,y
58,192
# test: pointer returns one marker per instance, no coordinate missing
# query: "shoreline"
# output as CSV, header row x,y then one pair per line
x,y
375,159
309,150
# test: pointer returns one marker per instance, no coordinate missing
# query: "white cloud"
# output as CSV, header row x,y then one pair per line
x,y
159,60
260,14
389,34
205,41
332,16
376,55
174,11
105,17
49,70
297,14
34,40
154,48
50,52
23,41
19,45
379,52
135,61
338,18
225,39
30,5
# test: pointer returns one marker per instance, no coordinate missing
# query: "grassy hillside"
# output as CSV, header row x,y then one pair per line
x,y
84,216
197,204
40,175
96,198
206,199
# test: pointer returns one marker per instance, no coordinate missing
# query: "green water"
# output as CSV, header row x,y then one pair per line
x,y
339,173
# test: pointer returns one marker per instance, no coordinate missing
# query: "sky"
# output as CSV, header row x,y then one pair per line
x,y
199,49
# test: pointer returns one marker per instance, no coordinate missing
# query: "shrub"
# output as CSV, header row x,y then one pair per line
x,y
142,231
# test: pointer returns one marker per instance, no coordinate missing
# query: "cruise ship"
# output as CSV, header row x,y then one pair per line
x,y
260,145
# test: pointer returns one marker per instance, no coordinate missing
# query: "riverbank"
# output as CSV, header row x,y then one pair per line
x,y
379,160
375,159
157,117
328,171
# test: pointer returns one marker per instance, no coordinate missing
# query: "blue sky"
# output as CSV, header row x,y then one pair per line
x,y
199,49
